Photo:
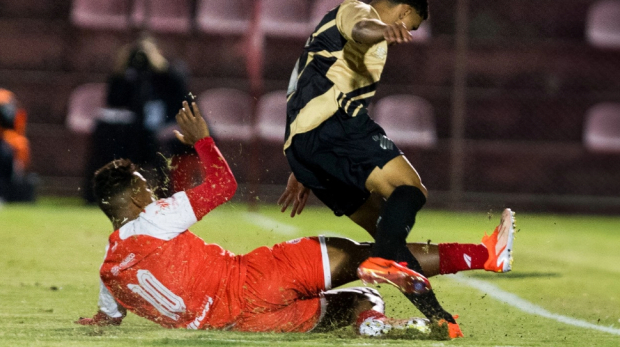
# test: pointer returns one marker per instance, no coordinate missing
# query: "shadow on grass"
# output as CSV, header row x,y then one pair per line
x,y
341,336
520,275
229,338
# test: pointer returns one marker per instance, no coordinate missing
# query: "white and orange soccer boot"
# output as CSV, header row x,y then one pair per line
x,y
380,326
376,270
499,244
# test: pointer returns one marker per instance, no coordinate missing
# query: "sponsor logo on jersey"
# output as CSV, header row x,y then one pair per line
x,y
116,269
384,142
128,259
295,241
380,53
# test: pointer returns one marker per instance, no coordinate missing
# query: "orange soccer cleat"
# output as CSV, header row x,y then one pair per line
x,y
499,244
376,270
453,328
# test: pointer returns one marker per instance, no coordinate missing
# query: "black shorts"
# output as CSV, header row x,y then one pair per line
x,y
336,158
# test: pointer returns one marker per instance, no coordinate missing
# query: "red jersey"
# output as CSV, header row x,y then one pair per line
x,y
159,270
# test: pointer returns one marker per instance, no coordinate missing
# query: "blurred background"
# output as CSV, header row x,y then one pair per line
x,y
496,103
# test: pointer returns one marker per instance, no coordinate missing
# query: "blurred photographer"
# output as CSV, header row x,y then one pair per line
x,y
16,183
143,93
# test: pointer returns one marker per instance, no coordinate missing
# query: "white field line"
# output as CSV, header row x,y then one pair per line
x,y
267,223
526,306
330,233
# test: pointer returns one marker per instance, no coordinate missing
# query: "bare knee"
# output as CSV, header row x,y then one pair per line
x,y
397,172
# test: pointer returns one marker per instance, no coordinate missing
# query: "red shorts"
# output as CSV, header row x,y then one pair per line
x,y
284,285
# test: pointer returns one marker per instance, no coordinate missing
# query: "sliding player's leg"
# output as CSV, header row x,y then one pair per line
x,y
454,256
364,309
494,253
344,306
345,256
400,184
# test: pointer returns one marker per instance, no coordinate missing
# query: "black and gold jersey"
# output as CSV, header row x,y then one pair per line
x,y
335,76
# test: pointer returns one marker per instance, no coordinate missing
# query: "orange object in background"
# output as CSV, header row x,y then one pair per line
x,y
13,128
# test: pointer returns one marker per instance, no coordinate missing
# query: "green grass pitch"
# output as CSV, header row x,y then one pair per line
x,y
565,264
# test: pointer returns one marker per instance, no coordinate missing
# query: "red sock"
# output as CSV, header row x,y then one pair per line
x,y
368,314
455,257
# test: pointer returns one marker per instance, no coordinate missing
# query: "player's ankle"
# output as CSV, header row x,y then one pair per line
x,y
369,314
456,257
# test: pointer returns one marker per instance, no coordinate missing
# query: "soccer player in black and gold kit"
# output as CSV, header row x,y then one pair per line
x,y
333,146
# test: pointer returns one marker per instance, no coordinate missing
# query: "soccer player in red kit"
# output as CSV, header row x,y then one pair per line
x,y
159,270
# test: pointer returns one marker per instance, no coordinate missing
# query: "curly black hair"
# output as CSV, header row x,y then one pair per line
x,y
421,6
111,180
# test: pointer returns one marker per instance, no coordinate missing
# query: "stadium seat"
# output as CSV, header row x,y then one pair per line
x,y
101,14
285,18
603,24
271,117
229,113
408,120
231,17
270,127
85,104
172,16
602,128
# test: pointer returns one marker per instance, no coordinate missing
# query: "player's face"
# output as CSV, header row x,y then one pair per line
x,y
141,192
412,20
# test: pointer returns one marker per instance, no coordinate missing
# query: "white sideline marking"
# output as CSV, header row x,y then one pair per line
x,y
281,228
270,224
330,233
528,307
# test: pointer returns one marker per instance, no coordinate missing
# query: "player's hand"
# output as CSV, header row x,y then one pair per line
x,y
193,126
397,33
100,319
296,193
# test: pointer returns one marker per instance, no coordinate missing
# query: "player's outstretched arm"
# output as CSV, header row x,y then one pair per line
x,y
219,184
296,193
371,31
193,126
108,304
100,319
